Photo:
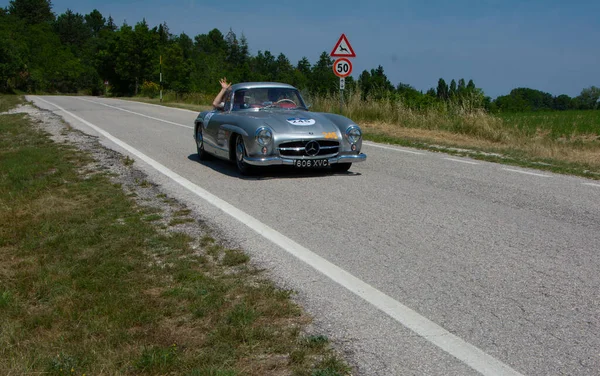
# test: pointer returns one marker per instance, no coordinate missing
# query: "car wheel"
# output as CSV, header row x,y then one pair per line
x,y
341,167
240,152
202,155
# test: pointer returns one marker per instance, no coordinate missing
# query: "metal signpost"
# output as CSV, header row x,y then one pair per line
x,y
342,67
161,79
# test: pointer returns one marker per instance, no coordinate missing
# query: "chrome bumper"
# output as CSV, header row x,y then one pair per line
x,y
272,161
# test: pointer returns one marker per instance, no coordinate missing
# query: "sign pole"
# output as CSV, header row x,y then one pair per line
x,y
161,79
342,86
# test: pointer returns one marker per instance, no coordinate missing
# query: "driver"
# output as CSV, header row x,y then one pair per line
x,y
281,98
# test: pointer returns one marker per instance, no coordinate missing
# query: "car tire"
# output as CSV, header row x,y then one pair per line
x,y
240,152
202,155
341,167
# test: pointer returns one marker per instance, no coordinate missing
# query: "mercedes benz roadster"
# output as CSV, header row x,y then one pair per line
x,y
266,124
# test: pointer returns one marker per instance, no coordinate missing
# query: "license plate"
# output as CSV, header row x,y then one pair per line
x,y
311,163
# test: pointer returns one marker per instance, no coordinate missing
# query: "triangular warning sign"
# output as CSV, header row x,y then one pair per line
x,y
342,48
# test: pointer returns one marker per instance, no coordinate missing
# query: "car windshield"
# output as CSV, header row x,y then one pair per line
x,y
265,98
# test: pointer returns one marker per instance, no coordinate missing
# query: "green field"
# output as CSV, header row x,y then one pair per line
x,y
559,124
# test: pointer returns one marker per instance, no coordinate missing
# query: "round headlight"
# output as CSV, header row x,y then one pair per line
x,y
354,134
264,136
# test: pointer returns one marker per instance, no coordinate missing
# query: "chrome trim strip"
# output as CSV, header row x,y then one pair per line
x,y
302,148
273,161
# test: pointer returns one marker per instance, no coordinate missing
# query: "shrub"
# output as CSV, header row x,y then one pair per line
x,y
150,89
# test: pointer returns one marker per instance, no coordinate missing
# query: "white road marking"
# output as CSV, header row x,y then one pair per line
x,y
390,148
157,105
592,184
430,331
527,172
136,113
461,161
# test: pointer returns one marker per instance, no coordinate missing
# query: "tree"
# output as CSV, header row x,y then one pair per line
x,y
380,83
209,60
72,30
323,80
453,89
13,50
411,96
52,67
177,69
442,90
211,43
588,99
186,44
302,74
264,66
525,99
237,57
32,11
136,56
95,22
374,84
284,71
563,102
164,35
110,24
509,103
471,86
461,86
364,84
11,61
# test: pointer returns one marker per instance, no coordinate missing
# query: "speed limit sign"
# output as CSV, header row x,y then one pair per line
x,y
342,67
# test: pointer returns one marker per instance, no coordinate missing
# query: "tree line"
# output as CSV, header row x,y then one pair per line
x,y
71,52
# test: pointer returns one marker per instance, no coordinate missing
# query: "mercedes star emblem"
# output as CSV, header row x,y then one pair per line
x,y
312,148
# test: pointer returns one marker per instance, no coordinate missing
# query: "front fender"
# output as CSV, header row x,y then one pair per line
x,y
234,129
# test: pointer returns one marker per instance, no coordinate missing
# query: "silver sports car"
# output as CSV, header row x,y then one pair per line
x,y
267,123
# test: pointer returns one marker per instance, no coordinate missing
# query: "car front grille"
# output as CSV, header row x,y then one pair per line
x,y
299,148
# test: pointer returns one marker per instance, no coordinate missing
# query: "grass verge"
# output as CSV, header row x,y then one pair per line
x,y
89,285
8,102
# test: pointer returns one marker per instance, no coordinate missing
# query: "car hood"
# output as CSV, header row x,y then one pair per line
x,y
296,121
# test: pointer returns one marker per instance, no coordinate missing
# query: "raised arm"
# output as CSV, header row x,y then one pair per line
x,y
219,97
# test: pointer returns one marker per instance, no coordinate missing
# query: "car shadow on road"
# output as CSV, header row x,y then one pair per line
x,y
270,172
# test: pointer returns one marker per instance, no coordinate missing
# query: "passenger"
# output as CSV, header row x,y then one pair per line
x,y
218,103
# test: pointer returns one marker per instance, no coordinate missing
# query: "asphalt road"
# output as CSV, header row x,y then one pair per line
x,y
416,263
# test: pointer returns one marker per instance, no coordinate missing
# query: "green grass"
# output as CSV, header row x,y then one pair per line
x,y
9,101
90,286
558,124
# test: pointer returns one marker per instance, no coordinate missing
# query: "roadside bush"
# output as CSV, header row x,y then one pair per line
x,y
150,89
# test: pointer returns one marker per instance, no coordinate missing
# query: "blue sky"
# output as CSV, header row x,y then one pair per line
x,y
547,45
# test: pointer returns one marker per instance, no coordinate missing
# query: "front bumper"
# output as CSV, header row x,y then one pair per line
x,y
273,161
